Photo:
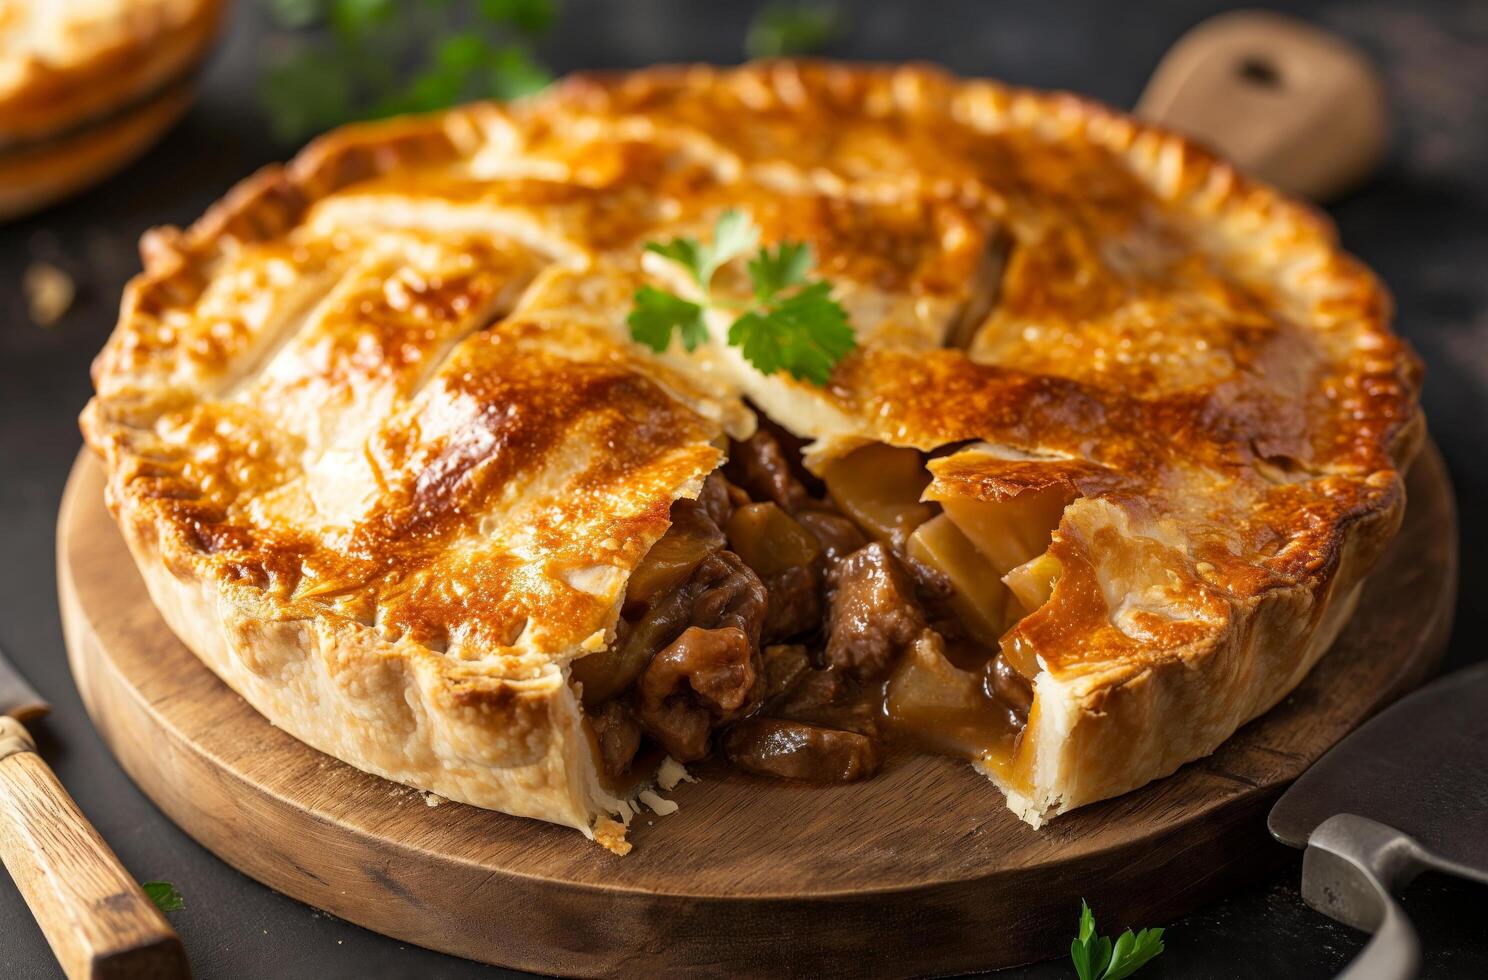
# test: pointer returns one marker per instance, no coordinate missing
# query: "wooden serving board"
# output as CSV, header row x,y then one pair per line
x,y
919,870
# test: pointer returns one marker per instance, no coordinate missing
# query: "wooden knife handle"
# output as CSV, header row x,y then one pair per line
x,y
1288,102
96,917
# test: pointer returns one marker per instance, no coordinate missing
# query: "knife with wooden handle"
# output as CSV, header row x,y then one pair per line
x,y
98,920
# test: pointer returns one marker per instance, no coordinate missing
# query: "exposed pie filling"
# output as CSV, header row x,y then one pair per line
x,y
796,626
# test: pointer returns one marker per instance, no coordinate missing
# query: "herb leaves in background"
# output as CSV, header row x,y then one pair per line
x,y
334,61
790,325
781,29
1097,958
165,896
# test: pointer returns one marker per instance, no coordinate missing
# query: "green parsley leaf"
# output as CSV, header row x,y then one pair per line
x,y
733,235
165,896
367,59
303,95
528,16
514,73
360,16
805,335
1096,958
461,53
658,313
455,59
781,29
793,326
774,271
686,252
1086,950
296,13
1133,952
759,342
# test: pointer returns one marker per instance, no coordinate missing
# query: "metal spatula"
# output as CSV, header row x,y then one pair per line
x,y
1404,794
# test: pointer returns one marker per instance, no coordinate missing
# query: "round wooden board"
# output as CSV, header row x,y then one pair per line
x,y
920,870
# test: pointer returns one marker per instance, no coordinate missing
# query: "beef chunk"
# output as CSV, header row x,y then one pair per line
x,y
687,579
672,560
718,499
723,591
761,467
717,665
706,678
726,593
618,734
709,671
813,691
829,697
1008,686
800,750
795,605
874,617
839,536
785,664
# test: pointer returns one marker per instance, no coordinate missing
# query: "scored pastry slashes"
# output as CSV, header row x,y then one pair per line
x,y
1121,434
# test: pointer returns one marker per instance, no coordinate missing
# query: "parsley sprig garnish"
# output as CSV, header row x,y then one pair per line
x,y
1097,958
333,61
781,29
789,324
166,896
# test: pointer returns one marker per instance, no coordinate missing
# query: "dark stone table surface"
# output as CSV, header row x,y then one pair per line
x,y
1422,223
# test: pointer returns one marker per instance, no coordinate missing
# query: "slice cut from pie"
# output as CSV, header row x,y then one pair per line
x,y
1121,436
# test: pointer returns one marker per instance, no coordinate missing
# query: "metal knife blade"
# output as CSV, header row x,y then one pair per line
x,y
1417,767
18,699
1402,795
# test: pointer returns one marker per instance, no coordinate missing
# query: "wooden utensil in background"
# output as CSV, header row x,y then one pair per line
x,y
1286,101
97,919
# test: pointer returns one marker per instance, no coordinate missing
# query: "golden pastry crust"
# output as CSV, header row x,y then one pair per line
x,y
380,442
36,175
64,63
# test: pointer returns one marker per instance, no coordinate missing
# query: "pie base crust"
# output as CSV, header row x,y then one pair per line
x,y
331,689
